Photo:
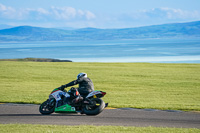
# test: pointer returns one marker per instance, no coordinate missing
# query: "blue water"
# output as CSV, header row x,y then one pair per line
x,y
149,50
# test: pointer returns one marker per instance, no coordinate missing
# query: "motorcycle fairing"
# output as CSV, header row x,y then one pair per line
x,y
96,94
57,94
65,109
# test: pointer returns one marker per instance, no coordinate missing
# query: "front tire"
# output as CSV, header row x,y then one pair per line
x,y
95,108
46,108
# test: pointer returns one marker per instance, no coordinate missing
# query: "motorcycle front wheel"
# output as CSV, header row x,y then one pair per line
x,y
95,108
47,108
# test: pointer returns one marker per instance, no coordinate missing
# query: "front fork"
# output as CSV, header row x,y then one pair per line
x,y
51,102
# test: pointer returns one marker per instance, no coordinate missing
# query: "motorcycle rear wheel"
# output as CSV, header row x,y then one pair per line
x,y
46,109
96,108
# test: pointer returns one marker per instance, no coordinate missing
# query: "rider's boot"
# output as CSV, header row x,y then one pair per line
x,y
77,99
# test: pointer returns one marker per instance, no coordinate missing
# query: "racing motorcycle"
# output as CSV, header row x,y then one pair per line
x,y
60,102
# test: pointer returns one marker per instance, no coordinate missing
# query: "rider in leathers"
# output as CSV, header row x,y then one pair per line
x,y
85,87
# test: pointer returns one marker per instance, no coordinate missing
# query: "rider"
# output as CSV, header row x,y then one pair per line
x,y
85,87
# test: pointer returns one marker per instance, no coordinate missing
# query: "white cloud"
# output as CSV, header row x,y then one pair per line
x,y
154,16
2,7
89,15
68,13
59,13
7,12
72,17
170,13
63,13
42,11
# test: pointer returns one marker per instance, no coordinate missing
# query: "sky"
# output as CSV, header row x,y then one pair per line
x,y
97,13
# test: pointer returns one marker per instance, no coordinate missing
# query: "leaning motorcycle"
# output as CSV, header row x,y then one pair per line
x,y
60,102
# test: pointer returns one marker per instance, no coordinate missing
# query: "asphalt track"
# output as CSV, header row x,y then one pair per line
x,y
29,114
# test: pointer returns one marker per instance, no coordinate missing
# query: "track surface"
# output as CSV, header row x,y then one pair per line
x,y
29,114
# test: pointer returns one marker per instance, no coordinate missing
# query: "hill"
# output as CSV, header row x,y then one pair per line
x,y
28,33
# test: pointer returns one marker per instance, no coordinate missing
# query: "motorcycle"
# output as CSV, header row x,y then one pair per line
x,y
61,102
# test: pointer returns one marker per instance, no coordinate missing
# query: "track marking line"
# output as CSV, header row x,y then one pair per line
x,y
110,108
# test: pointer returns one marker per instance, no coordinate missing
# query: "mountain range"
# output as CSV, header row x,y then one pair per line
x,y
29,33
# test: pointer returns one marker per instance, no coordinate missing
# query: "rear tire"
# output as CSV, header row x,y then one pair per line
x,y
96,108
46,109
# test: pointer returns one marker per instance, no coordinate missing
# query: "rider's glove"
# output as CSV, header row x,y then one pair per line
x,y
62,87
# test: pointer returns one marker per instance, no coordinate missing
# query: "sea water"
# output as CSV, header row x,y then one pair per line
x,y
146,50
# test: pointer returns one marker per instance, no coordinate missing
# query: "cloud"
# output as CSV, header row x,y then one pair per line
x,y
170,13
58,13
161,14
7,12
63,13
69,13
89,15
2,7
73,17
156,16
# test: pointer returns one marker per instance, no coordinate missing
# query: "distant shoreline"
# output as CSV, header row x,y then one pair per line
x,y
36,60
164,59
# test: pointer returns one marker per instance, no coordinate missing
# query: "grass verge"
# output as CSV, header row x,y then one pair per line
x,y
22,128
137,85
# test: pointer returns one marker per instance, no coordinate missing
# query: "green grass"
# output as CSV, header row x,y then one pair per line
x,y
23,128
137,85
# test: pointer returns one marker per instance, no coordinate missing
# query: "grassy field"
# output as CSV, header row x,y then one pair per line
x,y
23,128
137,85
